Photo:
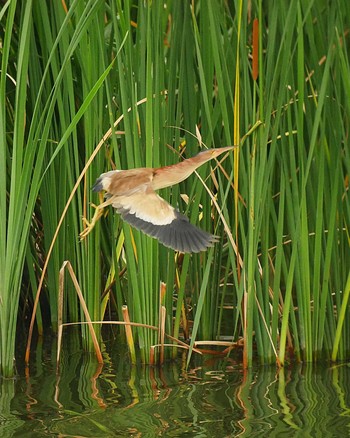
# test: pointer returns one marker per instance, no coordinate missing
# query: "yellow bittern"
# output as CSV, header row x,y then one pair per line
x,y
132,194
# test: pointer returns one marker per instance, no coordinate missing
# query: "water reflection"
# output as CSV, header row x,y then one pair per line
x,y
212,399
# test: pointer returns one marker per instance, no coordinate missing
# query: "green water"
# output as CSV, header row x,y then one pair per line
x,y
214,398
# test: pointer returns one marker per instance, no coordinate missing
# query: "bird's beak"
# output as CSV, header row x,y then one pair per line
x,y
230,148
219,151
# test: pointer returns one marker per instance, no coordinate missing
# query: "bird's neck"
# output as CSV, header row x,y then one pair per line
x,y
167,176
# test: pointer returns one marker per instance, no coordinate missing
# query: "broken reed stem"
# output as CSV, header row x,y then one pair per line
x,y
162,293
67,264
162,333
129,336
152,354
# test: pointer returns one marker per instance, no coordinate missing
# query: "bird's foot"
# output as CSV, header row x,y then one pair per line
x,y
88,226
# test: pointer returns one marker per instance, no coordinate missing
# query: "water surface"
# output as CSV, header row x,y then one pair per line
x,y
214,398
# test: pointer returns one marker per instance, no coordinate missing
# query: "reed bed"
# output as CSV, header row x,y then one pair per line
x,y
272,79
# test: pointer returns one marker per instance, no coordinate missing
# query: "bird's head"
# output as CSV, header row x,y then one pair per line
x,y
208,154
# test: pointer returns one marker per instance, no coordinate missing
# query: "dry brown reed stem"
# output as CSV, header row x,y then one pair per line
x,y
67,264
129,336
162,333
152,355
162,293
161,319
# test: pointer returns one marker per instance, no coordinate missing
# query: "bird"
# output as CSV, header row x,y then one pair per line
x,y
133,194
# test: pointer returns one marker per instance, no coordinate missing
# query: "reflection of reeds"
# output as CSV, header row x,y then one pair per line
x,y
137,81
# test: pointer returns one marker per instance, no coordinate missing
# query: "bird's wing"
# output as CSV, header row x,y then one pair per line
x,y
150,213
146,205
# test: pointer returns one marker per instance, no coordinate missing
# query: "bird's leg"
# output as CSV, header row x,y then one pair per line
x,y
89,225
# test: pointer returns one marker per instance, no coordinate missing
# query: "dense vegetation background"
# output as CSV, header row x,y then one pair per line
x,y
147,82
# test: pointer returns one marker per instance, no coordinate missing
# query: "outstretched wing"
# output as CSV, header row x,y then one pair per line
x,y
150,213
